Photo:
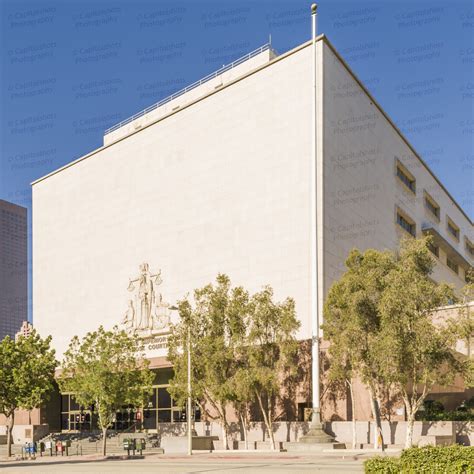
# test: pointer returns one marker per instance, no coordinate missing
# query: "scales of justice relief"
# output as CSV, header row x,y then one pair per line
x,y
147,313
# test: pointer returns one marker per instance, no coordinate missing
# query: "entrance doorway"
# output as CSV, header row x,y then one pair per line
x,y
126,418
80,421
75,417
161,408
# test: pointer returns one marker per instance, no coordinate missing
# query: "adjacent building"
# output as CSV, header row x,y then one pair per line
x,y
13,268
217,178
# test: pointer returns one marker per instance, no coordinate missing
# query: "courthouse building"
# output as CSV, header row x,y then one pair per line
x,y
217,178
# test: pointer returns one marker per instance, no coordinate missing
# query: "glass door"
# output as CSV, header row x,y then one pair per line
x,y
125,418
79,421
161,408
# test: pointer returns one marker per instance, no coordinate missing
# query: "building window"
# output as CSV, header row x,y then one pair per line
x,y
161,408
453,229
406,223
406,178
453,266
75,417
434,250
432,205
469,247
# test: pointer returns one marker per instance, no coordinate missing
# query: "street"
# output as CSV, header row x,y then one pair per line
x,y
200,463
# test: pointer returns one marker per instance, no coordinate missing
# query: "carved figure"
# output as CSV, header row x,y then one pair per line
x,y
144,313
161,316
129,317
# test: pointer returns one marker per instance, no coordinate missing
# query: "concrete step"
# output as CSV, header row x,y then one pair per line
x,y
312,447
16,449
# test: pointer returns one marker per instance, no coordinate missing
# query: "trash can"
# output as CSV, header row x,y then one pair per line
x,y
49,445
31,449
140,445
129,445
59,448
66,445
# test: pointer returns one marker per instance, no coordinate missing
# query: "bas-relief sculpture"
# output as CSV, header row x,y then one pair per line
x,y
147,313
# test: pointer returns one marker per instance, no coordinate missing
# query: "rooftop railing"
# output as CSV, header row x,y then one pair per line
x,y
220,71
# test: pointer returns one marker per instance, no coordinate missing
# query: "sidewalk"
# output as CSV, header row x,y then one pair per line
x,y
203,457
231,455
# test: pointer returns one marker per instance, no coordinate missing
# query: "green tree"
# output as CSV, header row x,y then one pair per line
x,y
416,351
271,349
26,376
379,320
107,369
340,378
463,324
352,324
243,396
215,322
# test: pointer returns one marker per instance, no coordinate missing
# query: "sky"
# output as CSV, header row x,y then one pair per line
x,y
70,70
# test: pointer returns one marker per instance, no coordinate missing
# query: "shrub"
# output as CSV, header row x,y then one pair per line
x,y
382,465
450,459
456,415
434,411
429,459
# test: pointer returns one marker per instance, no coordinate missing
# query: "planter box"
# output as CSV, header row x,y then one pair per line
x,y
179,444
437,440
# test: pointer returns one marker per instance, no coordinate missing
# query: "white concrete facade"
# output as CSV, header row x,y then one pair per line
x,y
222,184
362,191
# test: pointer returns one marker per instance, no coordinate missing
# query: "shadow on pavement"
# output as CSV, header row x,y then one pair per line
x,y
4,464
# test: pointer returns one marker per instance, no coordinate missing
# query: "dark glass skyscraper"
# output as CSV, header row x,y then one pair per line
x,y
13,268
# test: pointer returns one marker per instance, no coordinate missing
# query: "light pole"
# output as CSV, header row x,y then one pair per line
x,y
316,434
314,232
189,410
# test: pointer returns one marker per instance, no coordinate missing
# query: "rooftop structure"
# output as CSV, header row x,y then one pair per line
x,y
209,83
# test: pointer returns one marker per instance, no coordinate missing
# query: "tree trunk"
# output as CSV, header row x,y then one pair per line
x,y
270,430
267,420
224,435
11,422
104,441
354,426
412,405
372,406
244,427
380,443
378,437
409,435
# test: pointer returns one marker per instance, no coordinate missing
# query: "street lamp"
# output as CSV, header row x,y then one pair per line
x,y
189,402
316,434
190,432
314,232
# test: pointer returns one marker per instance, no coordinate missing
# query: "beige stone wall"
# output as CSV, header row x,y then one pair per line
x,y
362,190
221,186
23,433
393,433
